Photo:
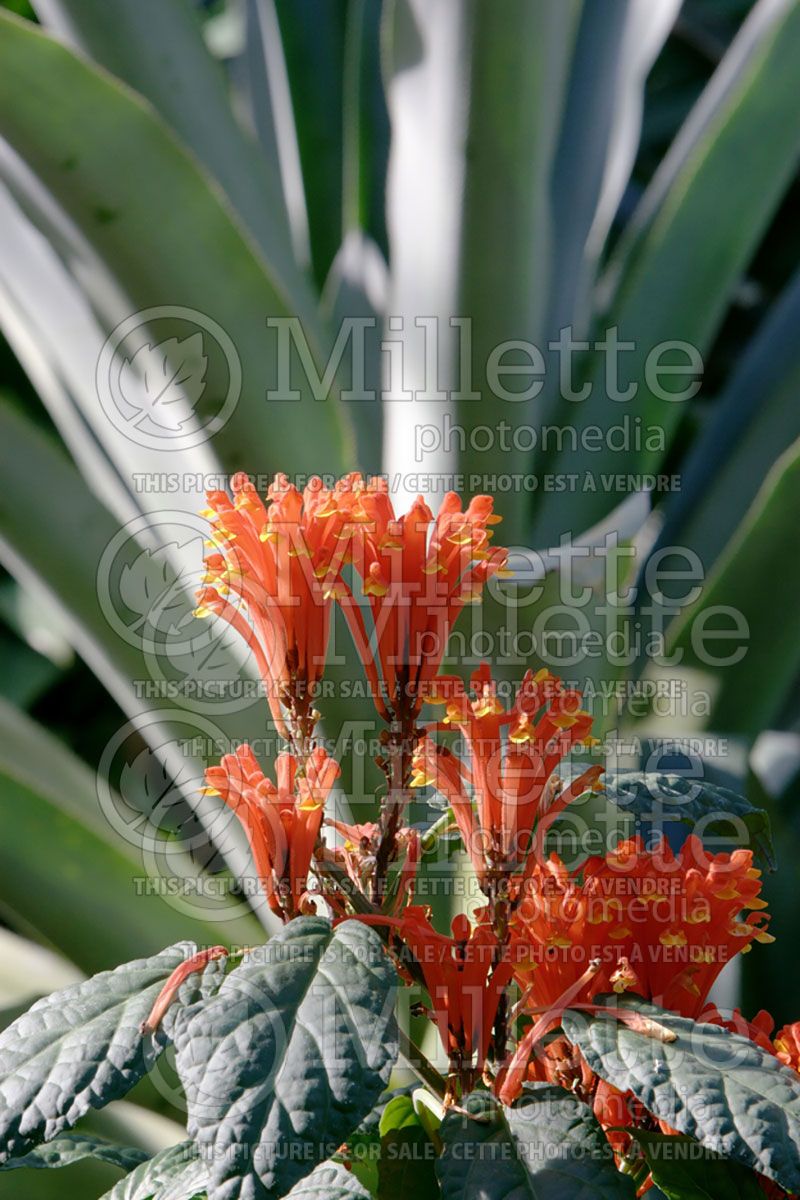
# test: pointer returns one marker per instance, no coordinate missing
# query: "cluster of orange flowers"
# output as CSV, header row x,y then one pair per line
x,y
640,919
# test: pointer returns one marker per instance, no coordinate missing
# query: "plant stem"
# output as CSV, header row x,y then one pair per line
x,y
421,1066
400,751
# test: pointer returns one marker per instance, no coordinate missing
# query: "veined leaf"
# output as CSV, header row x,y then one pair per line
x,y
548,1146
329,1182
288,1057
77,1049
69,1148
174,1174
715,811
715,1086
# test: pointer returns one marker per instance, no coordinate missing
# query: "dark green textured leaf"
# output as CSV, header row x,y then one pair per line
x,y
361,1156
77,1049
716,811
174,1174
713,1085
71,1147
547,1147
328,1182
293,1051
684,1170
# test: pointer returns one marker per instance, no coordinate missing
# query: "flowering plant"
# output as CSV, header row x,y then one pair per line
x,y
574,1042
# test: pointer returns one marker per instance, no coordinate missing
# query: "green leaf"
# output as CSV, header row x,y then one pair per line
x,y
66,863
712,1085
685,1170
681,257
495,75
399,1113
78,1049
355,290
712,811
78,130
615,47
757,572
361,1157
407,1165
174,1174
157,47
313,38
289,1056
331,1181
68,1148
754,420
58,549
408,1155
365,140
547,1147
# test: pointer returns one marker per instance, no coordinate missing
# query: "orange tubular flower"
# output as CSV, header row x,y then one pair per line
x,y
786,1045
682,917
462,977
417,573
272,577
661,925
758,1030
358,851
509,789
282,822
644,921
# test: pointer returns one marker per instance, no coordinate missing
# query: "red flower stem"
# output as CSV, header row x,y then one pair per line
x,y
400,752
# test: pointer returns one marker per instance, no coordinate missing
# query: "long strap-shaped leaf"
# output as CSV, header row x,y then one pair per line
x,y
167,236
615,47
66,863
474,95
697,228
157,47
756,418
53,537
746,596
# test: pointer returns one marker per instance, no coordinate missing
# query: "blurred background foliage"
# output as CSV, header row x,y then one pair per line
x,y
629,162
